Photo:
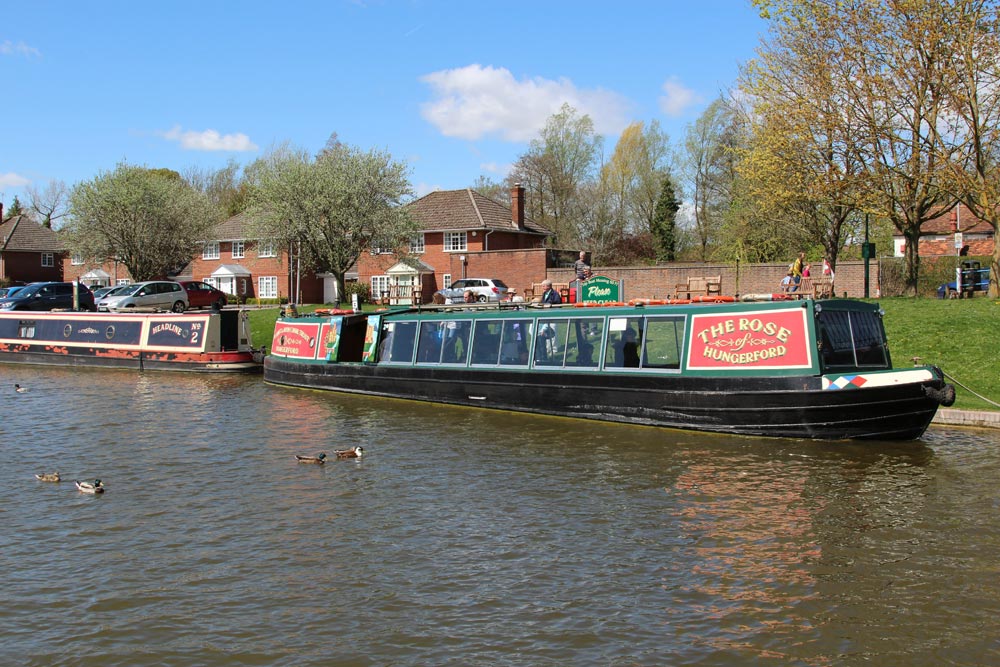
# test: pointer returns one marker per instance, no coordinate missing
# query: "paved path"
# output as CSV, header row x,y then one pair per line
x,y
980,418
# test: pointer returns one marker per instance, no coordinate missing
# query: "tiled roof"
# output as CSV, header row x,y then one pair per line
x,y
943,224
21,234
232,229
457,210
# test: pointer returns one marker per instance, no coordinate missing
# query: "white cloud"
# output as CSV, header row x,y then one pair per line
x,y
677,98
494,168
12,180
9,48
421,189
474,101
209,140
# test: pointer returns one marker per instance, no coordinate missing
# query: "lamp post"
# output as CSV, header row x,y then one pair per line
x,y
866,252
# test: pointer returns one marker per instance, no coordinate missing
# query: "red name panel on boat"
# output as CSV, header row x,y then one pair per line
x,y
763,339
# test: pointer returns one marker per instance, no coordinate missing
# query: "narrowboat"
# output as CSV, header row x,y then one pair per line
x,y
216,341
791,369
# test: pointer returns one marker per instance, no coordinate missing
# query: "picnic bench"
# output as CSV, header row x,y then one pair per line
x,y
822,288
705,285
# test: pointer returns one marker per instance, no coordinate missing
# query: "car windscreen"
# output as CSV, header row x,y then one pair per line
x,y
128,290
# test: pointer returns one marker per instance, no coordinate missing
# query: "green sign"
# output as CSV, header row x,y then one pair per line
x,y
600,289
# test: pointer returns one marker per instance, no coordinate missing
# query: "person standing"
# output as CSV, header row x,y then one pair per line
x,y
797,267
581,267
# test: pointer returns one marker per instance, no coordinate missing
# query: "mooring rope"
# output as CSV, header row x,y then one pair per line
x,y
979,396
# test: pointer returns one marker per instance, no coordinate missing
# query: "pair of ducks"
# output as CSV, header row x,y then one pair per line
x,y
95,487
320,459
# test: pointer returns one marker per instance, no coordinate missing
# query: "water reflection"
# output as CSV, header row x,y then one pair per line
x,y
473,537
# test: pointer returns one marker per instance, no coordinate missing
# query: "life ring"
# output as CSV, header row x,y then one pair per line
x,y
712,299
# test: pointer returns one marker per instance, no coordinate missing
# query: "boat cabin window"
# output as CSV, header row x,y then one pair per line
x,y
445,342
398,342
486,342
852,339
663,342
514,343
623,343
568,343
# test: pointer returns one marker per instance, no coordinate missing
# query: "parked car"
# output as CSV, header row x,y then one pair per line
x,y
203,295
10,291
48,296
161,294
486,289
101,292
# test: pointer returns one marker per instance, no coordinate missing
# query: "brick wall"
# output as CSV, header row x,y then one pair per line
x,y
657,282
26,267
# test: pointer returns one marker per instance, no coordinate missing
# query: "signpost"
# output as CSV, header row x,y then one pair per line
x,y
600,289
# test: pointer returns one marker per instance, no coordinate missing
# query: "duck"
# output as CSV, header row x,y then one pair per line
x,y
49,477
97,486
352,453
319,459
19,389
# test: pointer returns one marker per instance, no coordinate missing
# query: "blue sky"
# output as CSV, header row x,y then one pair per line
x,y
455,89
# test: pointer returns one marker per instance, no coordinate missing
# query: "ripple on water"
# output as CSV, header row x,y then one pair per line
x,y
467,537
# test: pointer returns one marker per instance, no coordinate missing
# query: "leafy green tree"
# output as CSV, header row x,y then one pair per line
x,y
710,172
150,220
15,209
332,207
664,224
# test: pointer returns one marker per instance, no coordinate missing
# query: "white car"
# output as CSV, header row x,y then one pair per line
x,y
158,294
486,289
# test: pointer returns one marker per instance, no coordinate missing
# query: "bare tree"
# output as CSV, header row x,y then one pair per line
x,y
51,203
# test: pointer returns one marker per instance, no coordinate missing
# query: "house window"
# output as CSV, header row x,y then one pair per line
x,y
267,248
267,287
446,280
122,281
210,251
48,259
417,244
377,250
380,284
455,242
77,260
238,250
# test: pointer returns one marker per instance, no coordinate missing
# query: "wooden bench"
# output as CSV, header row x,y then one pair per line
x,y
704,285
822,289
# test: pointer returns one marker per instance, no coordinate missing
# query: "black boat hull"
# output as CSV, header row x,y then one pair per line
x,y
787,407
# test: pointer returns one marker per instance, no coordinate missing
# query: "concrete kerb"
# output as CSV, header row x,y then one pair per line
x,y
974,418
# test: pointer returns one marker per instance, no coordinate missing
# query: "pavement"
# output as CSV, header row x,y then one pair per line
x,y
977,418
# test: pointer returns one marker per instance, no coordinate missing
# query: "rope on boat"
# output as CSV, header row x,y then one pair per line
x,y
979,396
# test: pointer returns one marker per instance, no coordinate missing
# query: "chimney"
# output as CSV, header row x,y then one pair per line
x,y
1,211
517,204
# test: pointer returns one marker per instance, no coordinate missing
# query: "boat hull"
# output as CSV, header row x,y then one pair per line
x,y
787,407
193,342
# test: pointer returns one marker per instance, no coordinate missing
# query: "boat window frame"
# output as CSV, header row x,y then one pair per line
x,y
388,340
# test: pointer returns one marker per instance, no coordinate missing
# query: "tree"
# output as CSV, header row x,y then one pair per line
x,y
334,207
664,224
557,164
148,220
974,102
634,175
709,172
49,204
15,209
224,187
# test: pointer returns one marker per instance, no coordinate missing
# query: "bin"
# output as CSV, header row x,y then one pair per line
x,y
572,295
972,278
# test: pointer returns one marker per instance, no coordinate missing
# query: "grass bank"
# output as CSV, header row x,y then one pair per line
x,y
959,335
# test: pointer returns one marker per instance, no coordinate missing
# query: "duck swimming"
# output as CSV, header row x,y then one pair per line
x,y
319,459
49,477
97,486
19,389
352,453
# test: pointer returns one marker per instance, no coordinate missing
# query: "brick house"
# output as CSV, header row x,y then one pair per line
x,y
252,268
937,236
462,234
29,252
232,261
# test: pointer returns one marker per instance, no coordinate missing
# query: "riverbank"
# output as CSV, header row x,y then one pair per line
x,y
973,418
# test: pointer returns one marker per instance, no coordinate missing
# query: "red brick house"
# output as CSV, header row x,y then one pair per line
x,y
232,261
938,236
462,234
29,252
252,268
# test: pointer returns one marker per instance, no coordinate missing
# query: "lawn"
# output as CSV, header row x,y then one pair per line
x,y
959,335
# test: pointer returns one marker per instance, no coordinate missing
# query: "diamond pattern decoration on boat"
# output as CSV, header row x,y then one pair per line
x,y
845,382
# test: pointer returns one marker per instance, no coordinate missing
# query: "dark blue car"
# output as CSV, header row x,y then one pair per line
x,y
49,296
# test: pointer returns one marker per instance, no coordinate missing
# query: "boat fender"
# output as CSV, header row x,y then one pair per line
x,y
945,395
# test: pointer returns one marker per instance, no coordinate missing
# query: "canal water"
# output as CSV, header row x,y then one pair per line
x,y
472,537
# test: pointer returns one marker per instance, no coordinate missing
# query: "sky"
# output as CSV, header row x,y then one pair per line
x,y
456,89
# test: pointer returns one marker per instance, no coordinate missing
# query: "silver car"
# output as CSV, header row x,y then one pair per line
x,y
155,294
486,289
